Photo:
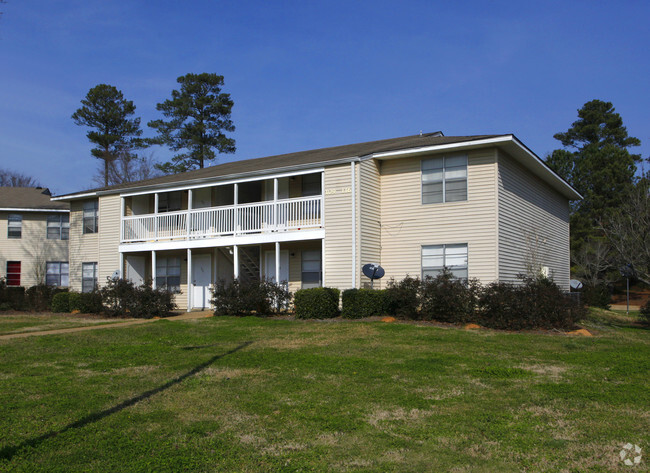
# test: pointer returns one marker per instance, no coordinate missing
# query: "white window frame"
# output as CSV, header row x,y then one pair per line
x,y
60,269
86,280
169,264
314,255
444,170
59,225
433,270
15,224
90,218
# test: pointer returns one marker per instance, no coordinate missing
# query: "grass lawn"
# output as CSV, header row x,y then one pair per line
x,y
20,322
226,394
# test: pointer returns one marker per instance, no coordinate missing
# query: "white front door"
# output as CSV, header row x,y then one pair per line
x,y
269,265
201,279
135,268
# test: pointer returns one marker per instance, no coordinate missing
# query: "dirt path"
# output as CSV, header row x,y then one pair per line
x,y
185,316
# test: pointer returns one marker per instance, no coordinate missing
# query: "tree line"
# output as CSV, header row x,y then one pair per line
x,y
194,125
610,226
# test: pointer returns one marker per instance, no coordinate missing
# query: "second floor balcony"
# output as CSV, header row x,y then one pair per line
x,y
214,221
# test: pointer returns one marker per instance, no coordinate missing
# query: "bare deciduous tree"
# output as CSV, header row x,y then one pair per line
x,y
15,179
628,230
593,261
127,168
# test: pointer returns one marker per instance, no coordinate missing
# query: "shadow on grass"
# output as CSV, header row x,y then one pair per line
x,y
7,453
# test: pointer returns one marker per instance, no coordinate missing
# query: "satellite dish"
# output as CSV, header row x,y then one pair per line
x,y
116,274
575,284
373,271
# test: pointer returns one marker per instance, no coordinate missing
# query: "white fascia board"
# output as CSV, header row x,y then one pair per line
x,y
256,239
213,183
18,209
508,142
75,196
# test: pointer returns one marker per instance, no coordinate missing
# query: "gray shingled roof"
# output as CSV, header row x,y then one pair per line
x,y
314,156
29,198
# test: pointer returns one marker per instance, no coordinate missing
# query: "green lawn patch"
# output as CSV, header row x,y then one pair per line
x,y
11,323
250,394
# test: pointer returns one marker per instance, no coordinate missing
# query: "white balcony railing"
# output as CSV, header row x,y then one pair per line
x,y
259,217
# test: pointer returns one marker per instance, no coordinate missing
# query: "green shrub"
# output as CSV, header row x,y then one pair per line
x,y
361,303
317,303
39,298
447,299
402,299
61,302
12,297
120,297
645,312
86,302
249,297
596,296
534,304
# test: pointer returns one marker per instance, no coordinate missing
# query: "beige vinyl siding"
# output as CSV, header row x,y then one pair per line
x,y
83,248
407,224
109,238
33,249
369,215
338,226
533,224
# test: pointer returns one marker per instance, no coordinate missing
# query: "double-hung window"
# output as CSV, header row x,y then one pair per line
x,y
14,226
58,227
90,216
452,257
311,269
88,277
57,273
168,273
13,273
444,179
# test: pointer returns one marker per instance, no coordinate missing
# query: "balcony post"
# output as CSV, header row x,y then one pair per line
x,y
121,218
275,204
153,269
235,202
155,217
189,210
235,261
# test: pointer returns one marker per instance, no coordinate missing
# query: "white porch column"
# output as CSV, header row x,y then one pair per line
x,y
190,281
153,268
122,223
322,263
235,202
235,261
122,266
277,261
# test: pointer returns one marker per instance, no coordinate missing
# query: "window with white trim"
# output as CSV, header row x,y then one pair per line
x,y
88,277
168,273
13,273
311,269
57,273
90,216
58,227
437,257
444,179
14,226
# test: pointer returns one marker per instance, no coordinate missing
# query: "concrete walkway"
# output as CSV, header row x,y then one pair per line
x,y
184,316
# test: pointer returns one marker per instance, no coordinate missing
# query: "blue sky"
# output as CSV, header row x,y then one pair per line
x,y
307,75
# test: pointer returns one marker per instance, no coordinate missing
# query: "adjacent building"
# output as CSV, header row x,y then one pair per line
x,y
484,206
33,237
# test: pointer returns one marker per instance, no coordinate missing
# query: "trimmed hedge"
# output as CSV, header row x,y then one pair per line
x,y
12,297
645,312
61,302
402,299
86,302
362,303
535,304
447,299
249,297
316,303
120,297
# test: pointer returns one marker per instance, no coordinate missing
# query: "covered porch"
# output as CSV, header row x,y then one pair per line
x,y
191,272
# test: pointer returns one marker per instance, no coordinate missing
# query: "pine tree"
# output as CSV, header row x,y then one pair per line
x,y
198,115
